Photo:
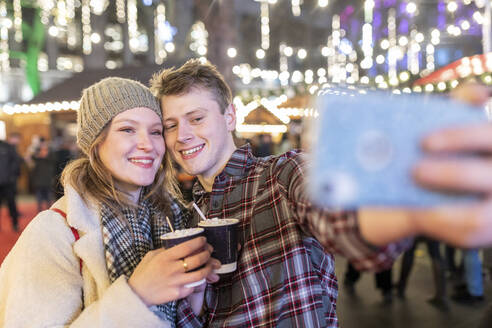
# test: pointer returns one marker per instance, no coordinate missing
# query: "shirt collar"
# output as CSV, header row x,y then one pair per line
x,y
238,166
240,162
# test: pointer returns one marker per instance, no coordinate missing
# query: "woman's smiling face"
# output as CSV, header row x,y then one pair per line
x,y
133,149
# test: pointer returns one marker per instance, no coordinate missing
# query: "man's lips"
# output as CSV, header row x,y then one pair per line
x,y
191,152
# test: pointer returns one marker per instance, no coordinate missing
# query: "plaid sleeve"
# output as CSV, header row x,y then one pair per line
x,y
186,317
337,231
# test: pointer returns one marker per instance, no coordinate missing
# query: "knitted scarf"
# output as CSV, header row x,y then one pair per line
x,y
126,244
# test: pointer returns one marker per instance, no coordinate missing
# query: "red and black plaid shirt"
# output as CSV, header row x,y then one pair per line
x,y
286,271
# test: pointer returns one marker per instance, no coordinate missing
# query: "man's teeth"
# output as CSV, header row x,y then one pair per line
x,y
142,161
192,150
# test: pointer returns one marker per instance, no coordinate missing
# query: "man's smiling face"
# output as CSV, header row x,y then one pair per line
x,y
196,133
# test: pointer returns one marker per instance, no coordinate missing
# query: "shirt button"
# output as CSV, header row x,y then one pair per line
x,y
216,204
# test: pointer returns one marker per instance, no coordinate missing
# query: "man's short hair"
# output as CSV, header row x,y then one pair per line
x,y
193,74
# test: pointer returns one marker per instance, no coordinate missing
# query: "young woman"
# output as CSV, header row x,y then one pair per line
x,y
95,259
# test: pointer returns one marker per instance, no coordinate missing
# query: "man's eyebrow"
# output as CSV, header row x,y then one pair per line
x,y
192,112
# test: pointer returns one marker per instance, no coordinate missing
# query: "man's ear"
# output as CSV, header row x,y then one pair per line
x,y
230,117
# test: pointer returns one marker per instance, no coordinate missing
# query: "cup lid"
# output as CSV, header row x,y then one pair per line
x,y
215,222
182,233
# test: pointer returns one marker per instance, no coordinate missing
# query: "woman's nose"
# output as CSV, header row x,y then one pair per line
x,y
144,141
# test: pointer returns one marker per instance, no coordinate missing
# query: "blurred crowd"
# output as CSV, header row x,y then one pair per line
x,y
41,163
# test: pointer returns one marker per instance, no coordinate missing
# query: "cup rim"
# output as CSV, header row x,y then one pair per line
x,y
197,231
235,221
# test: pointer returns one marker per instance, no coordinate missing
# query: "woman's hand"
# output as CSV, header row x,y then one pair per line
x,y
161,276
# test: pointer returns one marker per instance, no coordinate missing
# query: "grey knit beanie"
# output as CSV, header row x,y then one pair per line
x,y
102,101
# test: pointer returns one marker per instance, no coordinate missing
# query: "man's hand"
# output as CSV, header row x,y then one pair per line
x,y
464,225
461,225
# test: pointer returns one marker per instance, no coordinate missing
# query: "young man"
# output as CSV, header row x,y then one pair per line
x,y
285,275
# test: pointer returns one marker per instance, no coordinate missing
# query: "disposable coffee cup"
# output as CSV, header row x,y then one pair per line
x,y
177,237
222,235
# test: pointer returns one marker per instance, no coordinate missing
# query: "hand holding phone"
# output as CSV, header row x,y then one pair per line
x,y
365,146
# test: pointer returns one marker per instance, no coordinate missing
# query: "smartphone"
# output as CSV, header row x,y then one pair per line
x,y
365,143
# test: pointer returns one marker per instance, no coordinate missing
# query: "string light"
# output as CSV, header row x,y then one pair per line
x,y
413,53
296,7
342,63
367,46
159,26
477,16
265,26
61,13
336,71
17,20
86,28
71,28
231,52
393,49
411,8
486,29
5,24
132,13
452,6
260,53
284,63
302,53
199,37
98,6
40,108
120,11
70,10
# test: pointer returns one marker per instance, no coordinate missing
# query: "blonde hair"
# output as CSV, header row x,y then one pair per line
x,y
193,74
92,180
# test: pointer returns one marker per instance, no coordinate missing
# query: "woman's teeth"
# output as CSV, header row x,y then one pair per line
x,y
142,161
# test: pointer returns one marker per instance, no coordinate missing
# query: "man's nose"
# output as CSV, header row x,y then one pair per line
x,y
184,133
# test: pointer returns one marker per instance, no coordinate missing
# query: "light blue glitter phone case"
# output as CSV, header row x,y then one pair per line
x,y
365,146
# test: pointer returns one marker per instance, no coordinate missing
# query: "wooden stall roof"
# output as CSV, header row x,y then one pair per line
x,y
261,115
299,101
71,88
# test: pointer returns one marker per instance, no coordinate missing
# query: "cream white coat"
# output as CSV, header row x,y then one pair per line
x,y
40,281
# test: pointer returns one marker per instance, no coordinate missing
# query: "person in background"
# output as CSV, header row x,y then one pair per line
x,y
487,262
62,156
287,143
95,259
9,171
382,279
439,300
43,174
14,140
285,274
265,145
471,291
